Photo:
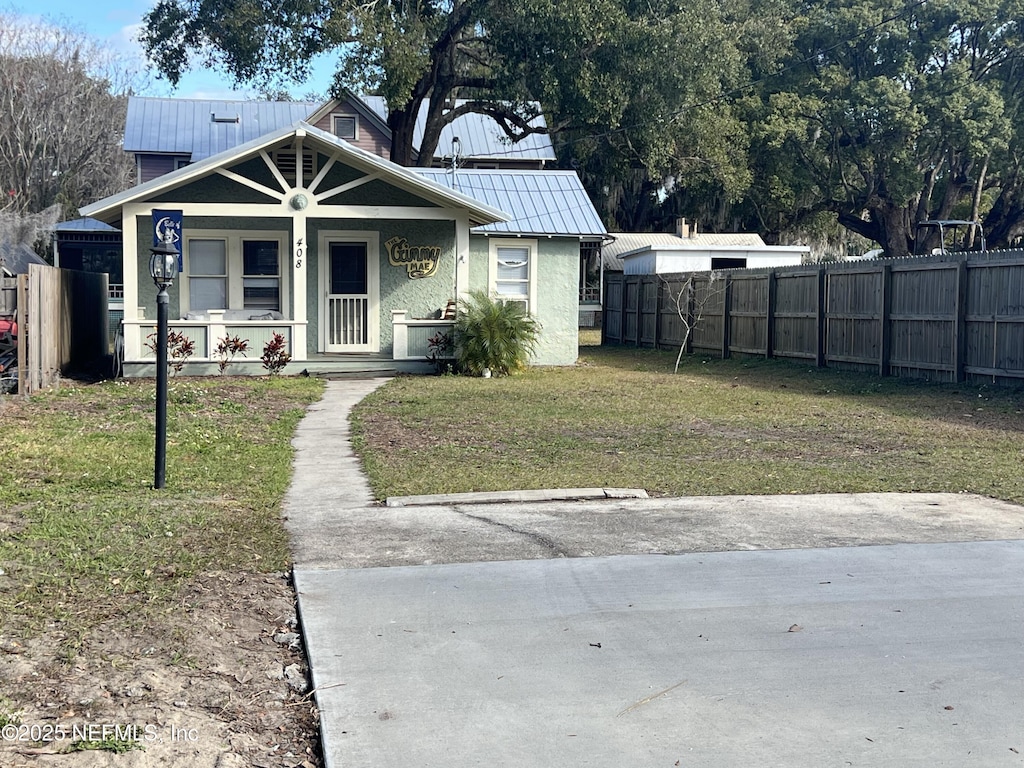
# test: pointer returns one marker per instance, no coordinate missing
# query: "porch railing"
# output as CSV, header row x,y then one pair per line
x,y
412,337
206,334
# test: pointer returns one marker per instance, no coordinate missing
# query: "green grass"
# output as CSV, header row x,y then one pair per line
x,y
117,746
622,419
85,537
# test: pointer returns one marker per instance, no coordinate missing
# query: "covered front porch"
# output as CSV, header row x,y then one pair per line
x,y
354,262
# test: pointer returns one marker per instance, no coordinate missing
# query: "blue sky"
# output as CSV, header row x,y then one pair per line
x,y
114,24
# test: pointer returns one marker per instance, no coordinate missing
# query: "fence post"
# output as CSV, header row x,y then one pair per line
x,y
22,320
885,340
638,325
623,286
659,291
822,321
726,301
769,333
960,322
691,308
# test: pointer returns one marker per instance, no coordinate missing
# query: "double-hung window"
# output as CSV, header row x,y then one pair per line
x,y
234,270
261,275
513,271
207,274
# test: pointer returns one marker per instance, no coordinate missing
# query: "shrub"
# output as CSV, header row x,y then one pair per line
x,y
441,349
275,357
179,349
493,334
227,348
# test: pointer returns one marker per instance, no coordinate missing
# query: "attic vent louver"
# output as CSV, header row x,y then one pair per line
x,y
224,118
286,163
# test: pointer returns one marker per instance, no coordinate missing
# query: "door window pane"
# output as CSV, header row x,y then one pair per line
x,y
348,269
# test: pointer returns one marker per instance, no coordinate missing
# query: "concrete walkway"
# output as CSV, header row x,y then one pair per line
x,y
463,664
329,494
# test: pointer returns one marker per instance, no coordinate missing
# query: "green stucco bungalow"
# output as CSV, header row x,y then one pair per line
x,y
351,258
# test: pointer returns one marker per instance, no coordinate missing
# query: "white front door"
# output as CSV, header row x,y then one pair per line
x,y
348,298
350,291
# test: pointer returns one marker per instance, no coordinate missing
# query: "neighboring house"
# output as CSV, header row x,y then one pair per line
x,y
352,258
689,251
15,259
167,134
476,139
92,246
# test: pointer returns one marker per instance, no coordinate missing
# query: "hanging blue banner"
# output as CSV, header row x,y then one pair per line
x,y
168,221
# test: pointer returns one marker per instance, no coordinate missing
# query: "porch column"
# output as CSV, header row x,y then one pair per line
x,y
130,263
461,257
401,334
299,265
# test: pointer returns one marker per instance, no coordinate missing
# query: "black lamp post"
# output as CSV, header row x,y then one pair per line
x,y
163,265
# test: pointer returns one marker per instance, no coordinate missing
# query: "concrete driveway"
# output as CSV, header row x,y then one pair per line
x,y
547,633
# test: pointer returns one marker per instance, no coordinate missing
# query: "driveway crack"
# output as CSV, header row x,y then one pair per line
x,y
544,541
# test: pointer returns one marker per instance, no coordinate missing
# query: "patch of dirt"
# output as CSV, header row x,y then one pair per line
x,y
220,681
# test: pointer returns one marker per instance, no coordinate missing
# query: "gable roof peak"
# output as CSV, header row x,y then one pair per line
x,y
479,212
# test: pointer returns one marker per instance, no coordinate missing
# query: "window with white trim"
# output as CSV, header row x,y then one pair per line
x,y
345,126
234,270
513,273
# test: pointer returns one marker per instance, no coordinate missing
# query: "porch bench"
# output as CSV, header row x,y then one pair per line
x,y
236,315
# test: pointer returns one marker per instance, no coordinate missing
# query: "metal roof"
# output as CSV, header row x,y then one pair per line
x,y
203,128
541,202
482,139
480,135
84,225
15,258
628,242
479,212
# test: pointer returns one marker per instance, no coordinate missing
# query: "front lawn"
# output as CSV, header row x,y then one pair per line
x,y
622,419
84,535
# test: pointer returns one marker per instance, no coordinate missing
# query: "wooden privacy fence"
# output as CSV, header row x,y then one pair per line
x,y
947,318
62,324
8,295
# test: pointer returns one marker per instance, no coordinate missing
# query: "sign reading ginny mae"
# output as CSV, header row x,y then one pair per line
x,y
418,260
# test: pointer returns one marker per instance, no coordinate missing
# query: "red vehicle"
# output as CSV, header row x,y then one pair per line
x,y
8,355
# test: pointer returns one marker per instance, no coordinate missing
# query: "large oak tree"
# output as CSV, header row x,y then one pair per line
x,y
592,66
888,113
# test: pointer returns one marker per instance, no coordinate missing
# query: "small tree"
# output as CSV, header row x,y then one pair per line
x,y
275,356
227,348
493,334
690,303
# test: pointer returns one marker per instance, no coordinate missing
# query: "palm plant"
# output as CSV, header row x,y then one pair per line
x,y
492,334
